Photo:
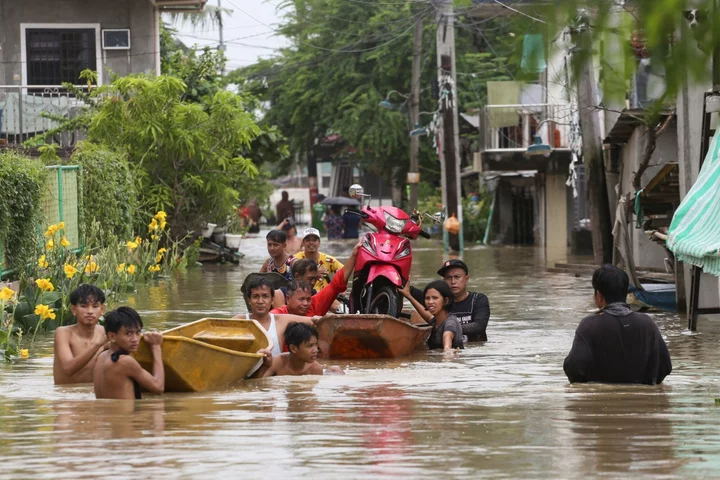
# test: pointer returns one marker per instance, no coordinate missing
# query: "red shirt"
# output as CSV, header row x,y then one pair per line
x,y
323,300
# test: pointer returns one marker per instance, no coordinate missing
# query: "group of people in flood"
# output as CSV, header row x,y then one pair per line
x,y
614,345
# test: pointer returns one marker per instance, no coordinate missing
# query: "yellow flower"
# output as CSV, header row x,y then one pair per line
x,y
120,268
153,225
51,230
24,353
50,244
6,294
70,271
154,237
61,226
45,284
154,268
131,269
162,224
158,259
42,262
162,250
138,240
45,312
64,241
161,216
91,267
131,245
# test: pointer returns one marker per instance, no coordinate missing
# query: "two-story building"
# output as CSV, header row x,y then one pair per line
x,y
44,43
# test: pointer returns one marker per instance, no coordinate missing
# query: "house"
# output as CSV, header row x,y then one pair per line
x,y
534,202
45,43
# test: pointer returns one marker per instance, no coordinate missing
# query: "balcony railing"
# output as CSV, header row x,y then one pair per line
x,y
512,127
24,110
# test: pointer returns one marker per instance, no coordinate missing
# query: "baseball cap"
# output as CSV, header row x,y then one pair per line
x,y
311,231
455,263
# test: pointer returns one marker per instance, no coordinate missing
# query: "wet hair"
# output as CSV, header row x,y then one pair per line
x,y
336,209
276,236
298,286
298,333
259,283
612,283
86,293
302,266
122,317
443,289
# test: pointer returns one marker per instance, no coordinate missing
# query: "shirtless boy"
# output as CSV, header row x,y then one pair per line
x,y
77,346
119,376
302,341
260,295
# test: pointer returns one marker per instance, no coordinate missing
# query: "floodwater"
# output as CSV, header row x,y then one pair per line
x,y
503,409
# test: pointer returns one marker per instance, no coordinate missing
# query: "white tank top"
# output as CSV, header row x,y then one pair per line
x,y
272,332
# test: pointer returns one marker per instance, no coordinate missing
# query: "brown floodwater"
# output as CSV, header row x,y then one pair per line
x,y
502,409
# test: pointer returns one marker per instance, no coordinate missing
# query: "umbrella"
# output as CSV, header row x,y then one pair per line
x,y
342,201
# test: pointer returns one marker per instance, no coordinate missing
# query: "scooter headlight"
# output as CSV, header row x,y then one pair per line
x,y
404,253
368,246
393,224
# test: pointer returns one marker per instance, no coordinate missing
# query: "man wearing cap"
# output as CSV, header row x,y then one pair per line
x,y
326,264
471,308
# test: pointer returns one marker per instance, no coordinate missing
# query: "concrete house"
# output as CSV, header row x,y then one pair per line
x,y
48,42
45,43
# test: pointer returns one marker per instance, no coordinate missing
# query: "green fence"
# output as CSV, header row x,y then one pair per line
x,y
60,203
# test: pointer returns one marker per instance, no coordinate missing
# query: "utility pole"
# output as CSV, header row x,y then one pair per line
x,y
449,142
592,152
413,173
221,46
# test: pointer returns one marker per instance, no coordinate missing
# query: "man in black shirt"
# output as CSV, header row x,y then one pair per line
x,y
616,345
471,308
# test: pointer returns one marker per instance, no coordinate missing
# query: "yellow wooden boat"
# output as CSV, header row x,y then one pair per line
x,y
208,354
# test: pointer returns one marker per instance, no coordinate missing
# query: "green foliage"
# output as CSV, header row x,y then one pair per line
x,y
615,35
346,56
109,192
185,154
22,182
475,216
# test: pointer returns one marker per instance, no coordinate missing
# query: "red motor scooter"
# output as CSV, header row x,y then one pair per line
x,y
383,263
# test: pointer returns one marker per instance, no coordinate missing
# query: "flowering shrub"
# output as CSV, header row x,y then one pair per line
x,y
43,298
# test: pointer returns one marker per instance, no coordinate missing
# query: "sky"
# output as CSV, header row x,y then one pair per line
x,y
248,31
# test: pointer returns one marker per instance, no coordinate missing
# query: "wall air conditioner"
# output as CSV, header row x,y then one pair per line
x,y
116,39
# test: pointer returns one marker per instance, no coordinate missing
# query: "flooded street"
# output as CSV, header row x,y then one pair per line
x,y
503,409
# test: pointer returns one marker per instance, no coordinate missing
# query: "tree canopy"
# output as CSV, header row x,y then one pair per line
x,y
347,56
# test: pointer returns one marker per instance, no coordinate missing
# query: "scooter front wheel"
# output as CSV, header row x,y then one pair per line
x,y
385,301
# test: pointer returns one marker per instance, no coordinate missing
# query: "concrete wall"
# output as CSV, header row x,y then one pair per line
x,y
556,219
689,133
137,15
645,252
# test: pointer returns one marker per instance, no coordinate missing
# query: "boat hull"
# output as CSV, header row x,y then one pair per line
x,y
208,354
368,336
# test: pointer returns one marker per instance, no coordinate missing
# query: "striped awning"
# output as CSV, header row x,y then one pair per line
x,y
694,235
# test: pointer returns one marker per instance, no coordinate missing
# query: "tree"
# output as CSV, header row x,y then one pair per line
x,y
345,58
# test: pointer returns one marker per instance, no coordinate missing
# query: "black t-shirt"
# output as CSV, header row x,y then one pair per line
x,y
618,349
473,314
451,324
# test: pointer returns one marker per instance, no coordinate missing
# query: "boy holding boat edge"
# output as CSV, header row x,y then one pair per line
x,y
302,341
117,374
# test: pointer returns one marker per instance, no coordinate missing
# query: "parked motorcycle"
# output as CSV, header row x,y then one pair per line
x,y
383,263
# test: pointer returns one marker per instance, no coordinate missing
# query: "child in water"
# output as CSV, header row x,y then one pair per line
x,y
117,374
447,331
302,341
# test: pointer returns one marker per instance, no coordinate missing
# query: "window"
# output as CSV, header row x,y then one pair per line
x,y
59,55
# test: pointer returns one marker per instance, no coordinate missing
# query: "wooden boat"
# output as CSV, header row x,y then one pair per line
x,y
207,354
369,336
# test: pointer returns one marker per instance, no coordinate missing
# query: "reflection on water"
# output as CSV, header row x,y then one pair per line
x,y
502,409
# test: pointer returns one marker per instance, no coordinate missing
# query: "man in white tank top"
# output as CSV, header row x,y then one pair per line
x,y
260,296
